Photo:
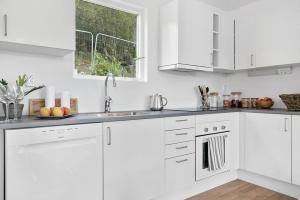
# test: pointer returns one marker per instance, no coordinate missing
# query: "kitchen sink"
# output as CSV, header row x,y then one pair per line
x,y
124,114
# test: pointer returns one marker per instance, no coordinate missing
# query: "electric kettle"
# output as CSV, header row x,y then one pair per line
x,y
157,102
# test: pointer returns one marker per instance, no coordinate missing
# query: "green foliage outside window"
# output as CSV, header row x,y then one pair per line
x,y
116,41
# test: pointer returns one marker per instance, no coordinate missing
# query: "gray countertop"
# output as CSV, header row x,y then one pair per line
x,y
31,122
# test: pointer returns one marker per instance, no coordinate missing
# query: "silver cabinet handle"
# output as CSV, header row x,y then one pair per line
x,y
181,161
5,25
212,59
184,147
285,125
180,134
108,138
182,120
251,60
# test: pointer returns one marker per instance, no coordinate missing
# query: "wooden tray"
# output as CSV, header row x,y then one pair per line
x,y
36,104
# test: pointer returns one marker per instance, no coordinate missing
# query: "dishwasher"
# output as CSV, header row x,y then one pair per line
x,y
54,163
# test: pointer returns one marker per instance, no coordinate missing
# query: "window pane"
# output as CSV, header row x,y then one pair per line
x,y
105,40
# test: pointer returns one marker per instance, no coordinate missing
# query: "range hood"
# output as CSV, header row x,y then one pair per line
x,y
184,67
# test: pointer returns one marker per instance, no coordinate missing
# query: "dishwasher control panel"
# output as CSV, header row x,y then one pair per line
x,y
49,134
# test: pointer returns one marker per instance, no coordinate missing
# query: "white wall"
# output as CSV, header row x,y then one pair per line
x,y
266,86
178,87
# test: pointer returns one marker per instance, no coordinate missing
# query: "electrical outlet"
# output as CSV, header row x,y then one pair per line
x,y
284,71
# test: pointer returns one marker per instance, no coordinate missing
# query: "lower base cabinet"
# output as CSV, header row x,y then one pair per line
x,y
133,159
268,144
180,172
296,150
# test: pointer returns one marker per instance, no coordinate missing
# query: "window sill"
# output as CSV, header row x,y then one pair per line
x,y
102,78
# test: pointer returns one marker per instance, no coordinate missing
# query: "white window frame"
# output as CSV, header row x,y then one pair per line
x,y
141,40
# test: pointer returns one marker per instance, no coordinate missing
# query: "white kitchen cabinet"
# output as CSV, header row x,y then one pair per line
x,y
186,39
133,159
179,152
180,172
195,36
277,32
296,150
46,26
267,140
267,34
244,38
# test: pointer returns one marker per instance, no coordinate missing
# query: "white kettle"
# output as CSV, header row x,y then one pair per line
x,y
157,102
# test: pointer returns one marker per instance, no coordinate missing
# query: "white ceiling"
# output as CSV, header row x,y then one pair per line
x,y
228,4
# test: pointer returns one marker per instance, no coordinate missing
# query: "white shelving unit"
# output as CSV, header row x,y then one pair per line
x,y
215,54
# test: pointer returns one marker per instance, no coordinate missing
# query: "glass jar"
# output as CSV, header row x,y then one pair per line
x,y
226,101
236,101
254,102
246,102
213,99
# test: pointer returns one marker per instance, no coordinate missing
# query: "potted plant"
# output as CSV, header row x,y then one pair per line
x,y
24,86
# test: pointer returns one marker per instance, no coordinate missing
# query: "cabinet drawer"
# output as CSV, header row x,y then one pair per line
x,y
174,123
179,149
177,136
180,172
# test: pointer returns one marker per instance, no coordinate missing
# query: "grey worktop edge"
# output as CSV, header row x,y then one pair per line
x,y
31,122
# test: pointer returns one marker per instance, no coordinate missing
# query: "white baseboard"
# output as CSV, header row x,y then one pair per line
x,y
202,186
272,184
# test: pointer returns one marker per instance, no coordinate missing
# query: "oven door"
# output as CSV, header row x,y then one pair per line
x,y
202,170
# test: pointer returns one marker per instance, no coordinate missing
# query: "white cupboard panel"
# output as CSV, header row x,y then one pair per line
x,y
268,145
296,150
133,159
180,172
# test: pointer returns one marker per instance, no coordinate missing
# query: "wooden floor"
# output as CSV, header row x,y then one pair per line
x,y
240,190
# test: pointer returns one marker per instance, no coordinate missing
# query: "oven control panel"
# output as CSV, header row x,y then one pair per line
x,y
213,127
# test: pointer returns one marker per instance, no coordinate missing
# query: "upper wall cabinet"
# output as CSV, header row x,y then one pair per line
x,y
193,36
267,34
46,27
244,39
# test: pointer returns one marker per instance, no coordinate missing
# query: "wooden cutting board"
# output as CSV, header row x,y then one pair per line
x,y
36,104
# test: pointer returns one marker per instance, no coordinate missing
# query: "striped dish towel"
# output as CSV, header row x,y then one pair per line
x,y
216,152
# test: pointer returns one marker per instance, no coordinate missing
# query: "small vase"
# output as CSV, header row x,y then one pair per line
x,y
11,110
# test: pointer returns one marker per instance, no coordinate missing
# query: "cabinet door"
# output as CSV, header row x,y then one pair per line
x,y
133,159
226,41
195,33
244,39
180,172
296,150
47,23
268,145
277,32
2,19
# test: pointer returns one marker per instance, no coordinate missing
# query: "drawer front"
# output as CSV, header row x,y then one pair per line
x,y
180,172
179,149
176,136
174,123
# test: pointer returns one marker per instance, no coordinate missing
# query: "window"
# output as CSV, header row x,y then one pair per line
x,y
109,39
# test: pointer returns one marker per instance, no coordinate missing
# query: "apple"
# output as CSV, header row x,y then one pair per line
x,y
45,112
58,112
67,111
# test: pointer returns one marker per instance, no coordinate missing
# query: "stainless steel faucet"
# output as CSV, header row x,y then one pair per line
x,y
108,99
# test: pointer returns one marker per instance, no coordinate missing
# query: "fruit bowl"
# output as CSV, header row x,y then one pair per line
x,y
53,117
265,103
54,113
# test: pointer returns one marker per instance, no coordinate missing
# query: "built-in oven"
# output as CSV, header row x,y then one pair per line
x,y
213,141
